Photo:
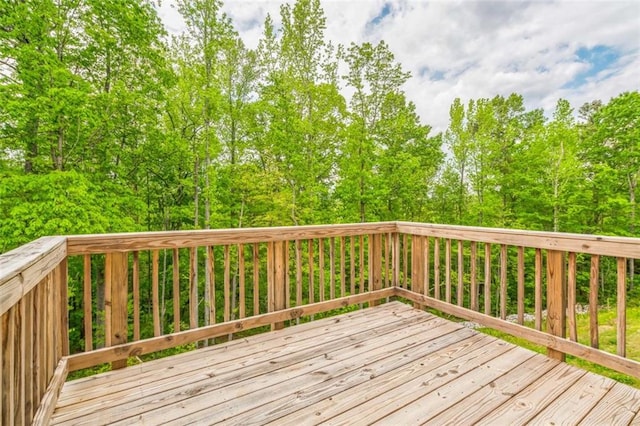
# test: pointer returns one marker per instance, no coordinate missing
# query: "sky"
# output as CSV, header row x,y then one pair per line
x,y
543,50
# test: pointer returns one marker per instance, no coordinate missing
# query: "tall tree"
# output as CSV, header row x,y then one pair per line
x,y
301,110
376,79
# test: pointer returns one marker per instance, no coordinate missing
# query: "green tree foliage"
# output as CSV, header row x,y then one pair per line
x,y
61,203
301,112
107,125
387,161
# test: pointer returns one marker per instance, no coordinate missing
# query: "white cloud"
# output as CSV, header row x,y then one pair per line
x,y
472,49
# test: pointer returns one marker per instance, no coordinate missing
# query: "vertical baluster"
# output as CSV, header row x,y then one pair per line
x,y
270,277
621,307
538,290
332,269
8,366
343,282
256,279
53,331
405,260
211,274
136,296
193,287
503,282
436,268
417,266
287,279
298,247
311,272
21,367
594,277
86,302
242,305
474,281
176,290
425,261
155,292
41,336
321,283
387,254
571,298
487,279
520,285
396,259
460,293
30,403
447,271
51,315
375,262
62,311
352,264
361,259
227,284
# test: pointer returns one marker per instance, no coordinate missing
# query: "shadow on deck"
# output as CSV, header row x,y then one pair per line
x,y
391,364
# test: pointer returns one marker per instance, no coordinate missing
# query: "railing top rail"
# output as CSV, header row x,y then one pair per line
x,y
579,243
86,244
22,268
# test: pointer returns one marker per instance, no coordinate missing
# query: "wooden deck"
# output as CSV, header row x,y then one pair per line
x,y
391,364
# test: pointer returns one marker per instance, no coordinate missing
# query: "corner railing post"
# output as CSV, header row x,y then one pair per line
x,y
556,299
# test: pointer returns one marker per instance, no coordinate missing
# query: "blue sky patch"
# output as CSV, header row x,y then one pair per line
x,y
599,58
386,11
431,74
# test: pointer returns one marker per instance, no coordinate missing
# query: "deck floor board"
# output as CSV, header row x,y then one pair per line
x,y
175,371
390,364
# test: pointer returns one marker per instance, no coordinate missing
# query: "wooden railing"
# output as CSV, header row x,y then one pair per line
x,y
133,294
471,266
33,327
218,282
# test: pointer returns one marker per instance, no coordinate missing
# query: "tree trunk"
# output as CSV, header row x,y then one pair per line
x,y
56,154
32,145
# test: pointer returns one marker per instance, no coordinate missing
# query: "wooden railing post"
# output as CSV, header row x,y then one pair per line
x,y
276,270
556,299
116,298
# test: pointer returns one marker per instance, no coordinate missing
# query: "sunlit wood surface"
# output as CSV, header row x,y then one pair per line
x,y
390,364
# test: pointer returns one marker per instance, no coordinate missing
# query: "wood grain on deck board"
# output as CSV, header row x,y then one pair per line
x,y
474,407
186,358
258,348
616,408
220,369
331,359
260,407
390,364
